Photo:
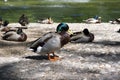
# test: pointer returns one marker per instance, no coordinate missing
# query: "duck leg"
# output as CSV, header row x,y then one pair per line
x,y
53,58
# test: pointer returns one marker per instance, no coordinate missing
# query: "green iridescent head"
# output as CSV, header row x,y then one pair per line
x,y
62,27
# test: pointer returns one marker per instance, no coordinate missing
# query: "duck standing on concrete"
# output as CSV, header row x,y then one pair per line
x,y
18,35
51,42
84,36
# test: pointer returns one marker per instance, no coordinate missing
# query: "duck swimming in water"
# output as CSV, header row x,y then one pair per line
x,y
84,36
18,35
52,41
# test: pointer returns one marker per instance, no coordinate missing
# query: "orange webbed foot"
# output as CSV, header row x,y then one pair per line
x,y
54,58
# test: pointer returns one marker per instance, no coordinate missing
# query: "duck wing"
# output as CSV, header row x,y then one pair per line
x,y
82,38
42,40
76,35
7,34
79,37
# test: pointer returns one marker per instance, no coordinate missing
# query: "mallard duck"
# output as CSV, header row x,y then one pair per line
x,y
93,20
5,26
52,41
84,36
18,35
116,21
46,21
23,20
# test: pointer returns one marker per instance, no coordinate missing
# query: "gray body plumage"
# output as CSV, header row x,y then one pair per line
x,y
84,36
18,35
51,43
12,35
80,38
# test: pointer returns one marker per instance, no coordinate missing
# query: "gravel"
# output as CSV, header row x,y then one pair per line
x,y
99,60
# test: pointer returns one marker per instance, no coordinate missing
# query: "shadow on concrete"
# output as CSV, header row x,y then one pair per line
x,y
42,57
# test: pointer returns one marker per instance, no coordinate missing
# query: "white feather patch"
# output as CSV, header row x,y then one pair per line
x,y
39,49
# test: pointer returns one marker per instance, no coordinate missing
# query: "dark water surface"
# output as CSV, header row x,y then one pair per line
x,y
63,12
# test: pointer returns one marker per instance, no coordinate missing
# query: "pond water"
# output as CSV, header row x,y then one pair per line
x,y
73,11
70,0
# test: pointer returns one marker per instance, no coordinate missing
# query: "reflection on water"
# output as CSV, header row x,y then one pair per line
x,y
70,0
